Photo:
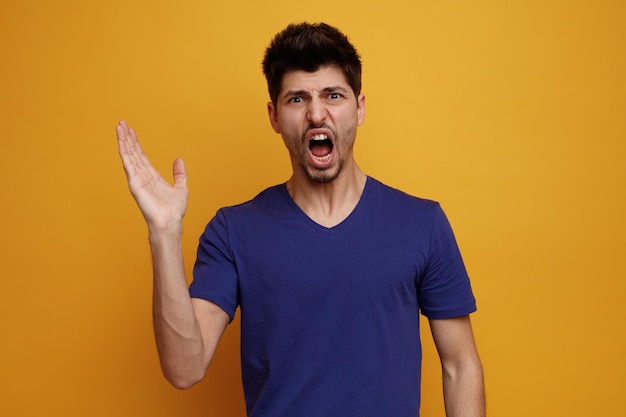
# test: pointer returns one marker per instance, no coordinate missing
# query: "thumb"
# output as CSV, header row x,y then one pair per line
x,y
180,173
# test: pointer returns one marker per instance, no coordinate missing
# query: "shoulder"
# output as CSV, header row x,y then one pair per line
x,y
390,198
271,203
270,197
386,209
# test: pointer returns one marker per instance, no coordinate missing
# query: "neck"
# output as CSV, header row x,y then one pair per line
x,y
328,204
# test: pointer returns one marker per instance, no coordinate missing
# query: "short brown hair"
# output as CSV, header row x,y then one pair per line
x,y
308,47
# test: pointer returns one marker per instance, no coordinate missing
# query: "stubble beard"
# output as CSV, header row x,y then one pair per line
x,y
323,176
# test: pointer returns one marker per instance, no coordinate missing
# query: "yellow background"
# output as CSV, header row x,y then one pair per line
x,y
511,114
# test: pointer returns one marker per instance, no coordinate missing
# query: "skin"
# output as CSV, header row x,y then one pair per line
x,y
463,386
314,103
186,330
327,189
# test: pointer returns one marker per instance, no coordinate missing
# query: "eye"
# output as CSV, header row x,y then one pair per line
x,y
334,96
295,100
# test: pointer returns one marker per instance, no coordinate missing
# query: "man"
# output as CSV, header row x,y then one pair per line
x,y
330,270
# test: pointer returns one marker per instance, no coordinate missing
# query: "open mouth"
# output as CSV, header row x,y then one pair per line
x,y
320,146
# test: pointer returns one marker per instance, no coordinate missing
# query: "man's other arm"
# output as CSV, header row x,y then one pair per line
x,y
463,385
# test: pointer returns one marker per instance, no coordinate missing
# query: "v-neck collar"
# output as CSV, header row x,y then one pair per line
x,y
339,226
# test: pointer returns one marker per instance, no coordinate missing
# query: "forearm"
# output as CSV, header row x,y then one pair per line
x,y
464,389
177,332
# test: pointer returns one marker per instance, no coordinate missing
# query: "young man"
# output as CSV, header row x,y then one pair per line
x,y
330,270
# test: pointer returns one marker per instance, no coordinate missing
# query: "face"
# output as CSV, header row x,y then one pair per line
x,y
317,115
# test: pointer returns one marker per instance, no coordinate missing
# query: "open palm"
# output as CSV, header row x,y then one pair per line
x,y
162,205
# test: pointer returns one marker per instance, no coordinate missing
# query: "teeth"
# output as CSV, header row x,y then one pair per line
x,y
319,137
323,158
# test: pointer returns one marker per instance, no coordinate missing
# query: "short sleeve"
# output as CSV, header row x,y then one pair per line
x,y
215,272
444,289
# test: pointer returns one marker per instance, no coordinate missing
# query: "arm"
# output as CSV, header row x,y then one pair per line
x,y
187,331
462,371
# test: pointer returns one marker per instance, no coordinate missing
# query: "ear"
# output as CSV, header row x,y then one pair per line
x,y
360,109
273,115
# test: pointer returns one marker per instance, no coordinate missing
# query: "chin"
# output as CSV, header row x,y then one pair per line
x,y
323,176
322,179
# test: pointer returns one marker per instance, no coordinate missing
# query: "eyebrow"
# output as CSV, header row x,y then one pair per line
x,y
330,89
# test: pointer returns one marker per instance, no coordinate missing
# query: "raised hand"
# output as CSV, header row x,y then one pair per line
x,y
162,205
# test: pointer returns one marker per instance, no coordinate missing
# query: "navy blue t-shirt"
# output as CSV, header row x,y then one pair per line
x,y
330,316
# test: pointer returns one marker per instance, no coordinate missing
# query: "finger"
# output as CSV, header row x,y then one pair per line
x,y
126,149
134,159
127,139
123,147
134,142
120,129
137,154
180,173
129,144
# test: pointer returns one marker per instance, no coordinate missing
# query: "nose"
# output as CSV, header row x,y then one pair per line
x,y
317,111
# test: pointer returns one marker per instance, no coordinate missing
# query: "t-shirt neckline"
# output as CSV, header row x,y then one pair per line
x,y
339,226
